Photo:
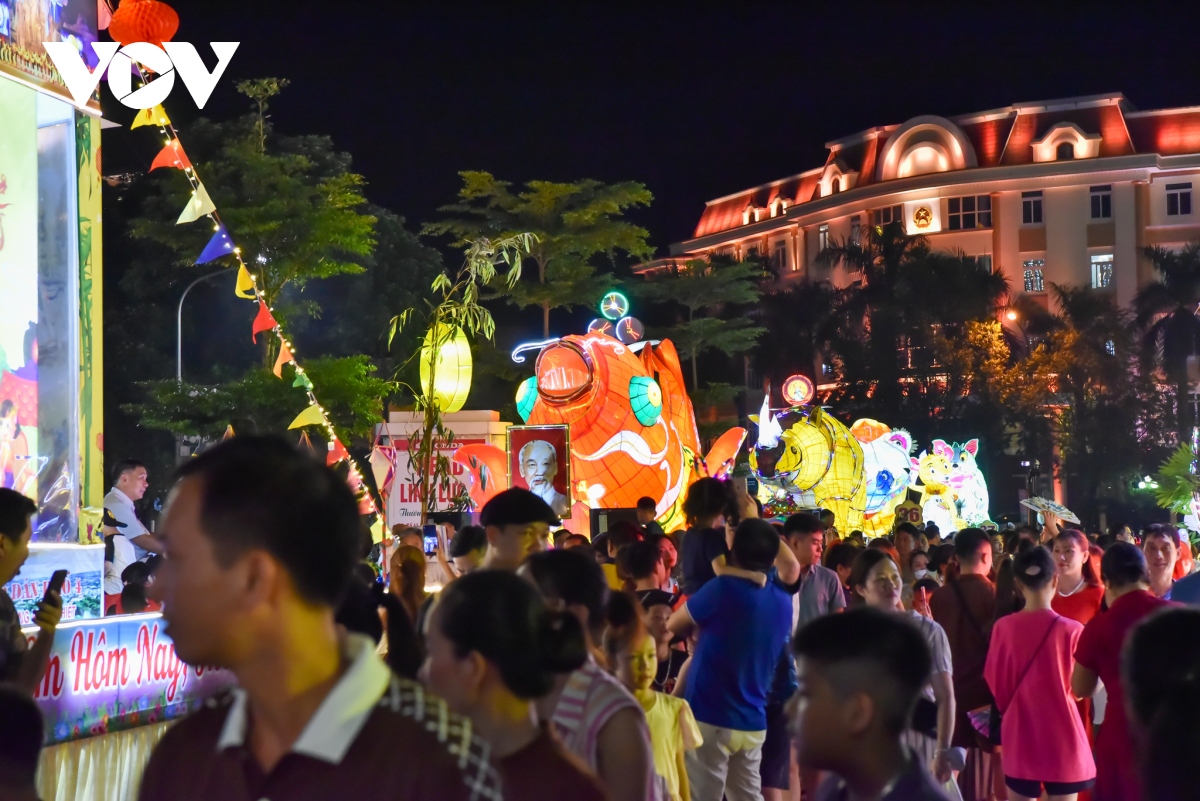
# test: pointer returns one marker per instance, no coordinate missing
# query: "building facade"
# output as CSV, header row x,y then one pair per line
x,y
1065,191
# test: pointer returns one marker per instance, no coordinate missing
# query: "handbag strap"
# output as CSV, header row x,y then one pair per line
x,y
1032,659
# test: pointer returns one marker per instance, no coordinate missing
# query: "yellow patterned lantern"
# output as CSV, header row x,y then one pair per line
x,y
451,367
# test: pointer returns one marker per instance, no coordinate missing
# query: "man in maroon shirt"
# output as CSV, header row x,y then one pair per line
x,y
1098,657
964,608
260,542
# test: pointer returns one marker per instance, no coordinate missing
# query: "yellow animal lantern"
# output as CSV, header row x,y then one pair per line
x,y
447,355
815,459
934,471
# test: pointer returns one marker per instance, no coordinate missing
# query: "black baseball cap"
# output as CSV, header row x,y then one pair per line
x,y
516,506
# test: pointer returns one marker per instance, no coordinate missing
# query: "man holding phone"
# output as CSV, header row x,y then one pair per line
x,y
21,664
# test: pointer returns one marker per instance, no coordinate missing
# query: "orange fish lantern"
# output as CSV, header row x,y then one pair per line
x,y
632,427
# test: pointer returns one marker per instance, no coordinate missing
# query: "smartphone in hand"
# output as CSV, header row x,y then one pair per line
x,y
57,579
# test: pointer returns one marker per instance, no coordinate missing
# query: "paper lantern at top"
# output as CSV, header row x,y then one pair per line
x,y
451,368
143,21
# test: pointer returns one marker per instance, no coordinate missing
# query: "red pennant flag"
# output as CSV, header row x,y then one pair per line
x,y
263,322
285,356
337,452
171,156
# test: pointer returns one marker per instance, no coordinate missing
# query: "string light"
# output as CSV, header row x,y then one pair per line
x,y
170,135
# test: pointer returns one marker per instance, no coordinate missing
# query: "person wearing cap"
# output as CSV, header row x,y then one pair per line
x,y
517,523
119,553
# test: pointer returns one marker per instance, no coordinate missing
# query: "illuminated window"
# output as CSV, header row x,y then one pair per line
x,y
1102,271
1179,200
1034,280
1031,208
1102,202
780,256
966,213
887,215
855,228
823,236
983,262
1110,348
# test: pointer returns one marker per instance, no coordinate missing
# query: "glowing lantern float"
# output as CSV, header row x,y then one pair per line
x,y
451,367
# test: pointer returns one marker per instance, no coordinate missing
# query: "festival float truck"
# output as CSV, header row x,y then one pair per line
x,y
113,684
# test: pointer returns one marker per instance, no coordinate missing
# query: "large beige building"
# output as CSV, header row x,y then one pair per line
x,y
1064,191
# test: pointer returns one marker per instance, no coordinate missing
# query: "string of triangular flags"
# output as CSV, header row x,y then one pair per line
x,y
200,205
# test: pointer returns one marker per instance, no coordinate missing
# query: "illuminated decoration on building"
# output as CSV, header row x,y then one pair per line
x,y
631,436
887,469
630,330
922,217
451,368
614,306
798,390
814,459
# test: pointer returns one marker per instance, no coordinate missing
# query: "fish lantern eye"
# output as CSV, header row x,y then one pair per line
x,y
645,398
795,449
526,397
564,373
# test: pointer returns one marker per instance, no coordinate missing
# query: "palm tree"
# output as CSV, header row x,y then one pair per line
x,y
876,306
1166,314
799,321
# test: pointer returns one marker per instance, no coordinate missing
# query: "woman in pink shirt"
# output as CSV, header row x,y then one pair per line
x,y
1028,669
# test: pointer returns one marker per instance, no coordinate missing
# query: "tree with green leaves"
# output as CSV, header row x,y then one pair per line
x,y
573,224
1166,315
290,203
455,308
711,295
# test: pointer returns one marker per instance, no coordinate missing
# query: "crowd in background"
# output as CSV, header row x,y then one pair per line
x,y
737,659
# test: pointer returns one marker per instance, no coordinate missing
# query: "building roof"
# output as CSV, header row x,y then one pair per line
x,y
1000,137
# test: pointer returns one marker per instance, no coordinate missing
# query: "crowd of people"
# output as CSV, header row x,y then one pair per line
x,y
737,659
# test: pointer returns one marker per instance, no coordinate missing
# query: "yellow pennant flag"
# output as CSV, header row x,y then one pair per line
x,y
309,417
245,284
199,205
228,433
151,116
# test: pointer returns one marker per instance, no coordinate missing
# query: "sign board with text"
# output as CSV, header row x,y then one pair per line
x,y
403,500
117,673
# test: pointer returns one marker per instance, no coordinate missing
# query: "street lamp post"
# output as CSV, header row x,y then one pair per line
x,y
179,324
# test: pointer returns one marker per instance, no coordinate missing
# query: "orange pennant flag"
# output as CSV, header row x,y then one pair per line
x,y
228,433
263,322
172,155
285,356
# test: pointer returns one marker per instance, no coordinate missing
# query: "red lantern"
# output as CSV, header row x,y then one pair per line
x,y
143,21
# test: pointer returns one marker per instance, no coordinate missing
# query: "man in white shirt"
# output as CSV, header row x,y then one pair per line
x,y
118,554
129,485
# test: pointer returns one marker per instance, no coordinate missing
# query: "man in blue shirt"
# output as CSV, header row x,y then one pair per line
x,y
744,629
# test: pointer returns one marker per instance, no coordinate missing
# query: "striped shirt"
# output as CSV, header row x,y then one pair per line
x,y
589,700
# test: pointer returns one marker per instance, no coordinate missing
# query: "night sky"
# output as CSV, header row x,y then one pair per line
x,y
695,102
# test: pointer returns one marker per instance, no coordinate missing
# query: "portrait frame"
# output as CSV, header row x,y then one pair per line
x,y
559,437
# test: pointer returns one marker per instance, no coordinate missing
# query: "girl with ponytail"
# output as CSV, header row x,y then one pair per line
x,y
493,648
596,718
